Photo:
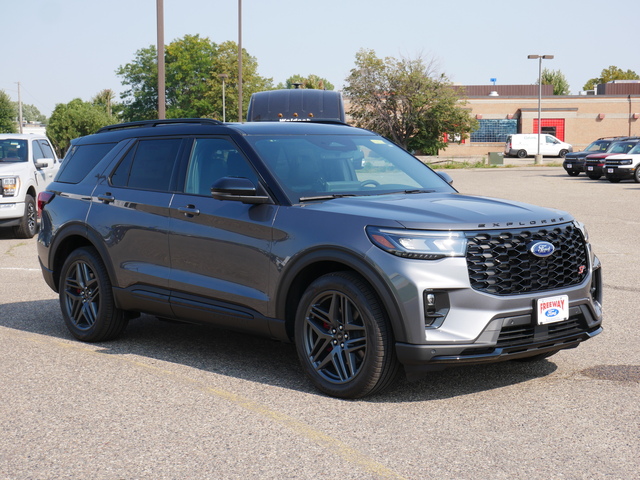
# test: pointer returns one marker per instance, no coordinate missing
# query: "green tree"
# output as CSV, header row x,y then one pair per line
x,y
106,99
140,100
75,119
406,101
310,81
226,62
557,79
193,87
8,114
30,113
610,74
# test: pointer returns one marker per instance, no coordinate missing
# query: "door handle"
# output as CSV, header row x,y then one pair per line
x,y
107,198
189,211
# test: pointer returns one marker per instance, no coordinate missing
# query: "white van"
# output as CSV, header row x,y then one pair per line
x,y
525,144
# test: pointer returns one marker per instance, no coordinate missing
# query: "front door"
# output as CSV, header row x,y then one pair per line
x,y
219,248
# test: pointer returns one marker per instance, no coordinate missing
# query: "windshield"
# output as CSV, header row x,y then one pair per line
x,y
635,150
308,166
13,150
599,146
621,147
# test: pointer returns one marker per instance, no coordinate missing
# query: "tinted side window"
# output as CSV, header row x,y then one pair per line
x,y
47,151
212,159
148,165
80,160
37,151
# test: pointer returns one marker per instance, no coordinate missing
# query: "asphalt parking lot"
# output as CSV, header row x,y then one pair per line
x,y
174,401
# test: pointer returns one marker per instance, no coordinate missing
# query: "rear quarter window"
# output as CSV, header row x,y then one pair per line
x,y
80,160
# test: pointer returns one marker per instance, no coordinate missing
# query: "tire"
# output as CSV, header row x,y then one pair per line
x,y
521,153
594,177
563,153
636,174
29,223
573,173
86,298
343,338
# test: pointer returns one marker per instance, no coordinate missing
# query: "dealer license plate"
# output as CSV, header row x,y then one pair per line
x,y
609,170
569,165
590,169
552,309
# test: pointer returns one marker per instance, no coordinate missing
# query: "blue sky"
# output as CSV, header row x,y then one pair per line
x,y
61,50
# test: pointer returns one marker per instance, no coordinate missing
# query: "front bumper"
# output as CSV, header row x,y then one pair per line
x,y
573,165
514,338
11,213
618,173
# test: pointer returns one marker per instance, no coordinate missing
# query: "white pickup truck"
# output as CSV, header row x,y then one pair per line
x,y
27,164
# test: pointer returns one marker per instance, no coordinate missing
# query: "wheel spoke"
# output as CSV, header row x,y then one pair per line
x,y
335,337
82,295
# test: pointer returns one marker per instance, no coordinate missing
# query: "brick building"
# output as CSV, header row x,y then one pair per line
x,y
577,119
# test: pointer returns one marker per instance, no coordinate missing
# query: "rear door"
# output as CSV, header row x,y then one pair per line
x,y
130,211
219,248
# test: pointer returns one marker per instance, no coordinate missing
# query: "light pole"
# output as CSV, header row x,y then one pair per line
x,y
240,61
223,77
539,57
162,101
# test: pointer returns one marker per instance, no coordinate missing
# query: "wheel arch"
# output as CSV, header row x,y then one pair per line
x,y
73,237
304,270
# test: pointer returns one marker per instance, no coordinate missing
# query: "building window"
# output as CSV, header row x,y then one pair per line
x,y
494,130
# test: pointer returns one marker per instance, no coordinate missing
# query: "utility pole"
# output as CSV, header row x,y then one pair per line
x,y
161,70
19,108
240,61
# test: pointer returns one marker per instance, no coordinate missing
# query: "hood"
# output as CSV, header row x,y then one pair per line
x,y
597,156
14,168
574,155
442,211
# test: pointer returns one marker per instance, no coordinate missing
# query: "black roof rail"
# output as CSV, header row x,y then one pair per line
x,y
155,123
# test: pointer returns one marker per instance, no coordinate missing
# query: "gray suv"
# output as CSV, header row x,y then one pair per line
x,y
325,235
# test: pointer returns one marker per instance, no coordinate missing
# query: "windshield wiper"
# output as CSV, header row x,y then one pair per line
x,y
327,197
417,190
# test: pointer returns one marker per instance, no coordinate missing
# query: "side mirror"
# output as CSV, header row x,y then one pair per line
x,y
239,189
43,163
446,177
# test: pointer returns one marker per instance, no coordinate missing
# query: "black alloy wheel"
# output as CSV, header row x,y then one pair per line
x,y
86,298
343,338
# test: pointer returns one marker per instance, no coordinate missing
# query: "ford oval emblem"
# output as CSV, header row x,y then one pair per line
x,y
541,249
554,312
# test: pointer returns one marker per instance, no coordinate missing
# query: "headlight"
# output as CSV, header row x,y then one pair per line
x,y
10,186
626,161
419,244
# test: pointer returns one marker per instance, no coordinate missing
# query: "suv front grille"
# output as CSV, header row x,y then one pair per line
x,y
499,262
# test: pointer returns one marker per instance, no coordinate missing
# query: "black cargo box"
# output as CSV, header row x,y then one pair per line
x,y
296,105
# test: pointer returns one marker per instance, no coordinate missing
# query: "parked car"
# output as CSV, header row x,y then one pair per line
x,y
624,166
594,163
325,235
522,145
27,164
574,162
